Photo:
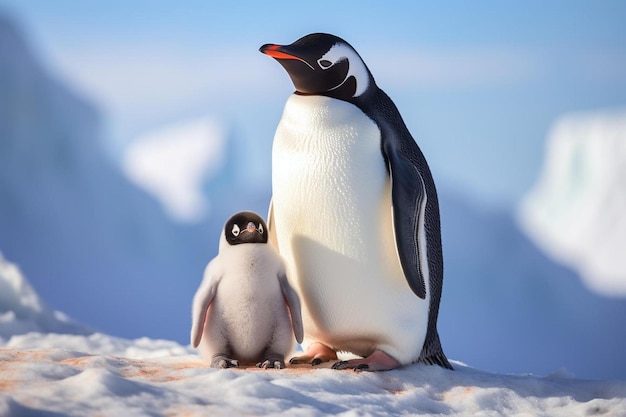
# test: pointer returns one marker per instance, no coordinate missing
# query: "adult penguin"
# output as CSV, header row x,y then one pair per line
x,y
354,213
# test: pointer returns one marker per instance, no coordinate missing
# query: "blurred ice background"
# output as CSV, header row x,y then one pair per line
x,y
130,132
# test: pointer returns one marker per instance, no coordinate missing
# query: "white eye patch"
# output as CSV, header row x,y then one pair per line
x,y
356,67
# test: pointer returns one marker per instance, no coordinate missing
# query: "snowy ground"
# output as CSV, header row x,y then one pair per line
x,y
150,378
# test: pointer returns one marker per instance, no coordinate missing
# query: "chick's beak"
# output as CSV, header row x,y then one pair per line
x,y
251,227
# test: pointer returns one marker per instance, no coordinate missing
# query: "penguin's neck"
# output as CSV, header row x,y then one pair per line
x,y
315,123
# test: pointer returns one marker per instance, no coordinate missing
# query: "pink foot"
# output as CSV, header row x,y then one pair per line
x,y
316,354
377,361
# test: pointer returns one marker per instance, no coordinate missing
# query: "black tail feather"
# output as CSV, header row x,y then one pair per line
x,y
432,353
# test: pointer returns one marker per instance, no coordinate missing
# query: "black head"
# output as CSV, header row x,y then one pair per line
x,y
323,64
245,227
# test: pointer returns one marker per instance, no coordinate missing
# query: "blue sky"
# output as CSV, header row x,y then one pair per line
x,y
478,83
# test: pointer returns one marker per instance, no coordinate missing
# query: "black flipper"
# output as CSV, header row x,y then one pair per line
x,y
408,197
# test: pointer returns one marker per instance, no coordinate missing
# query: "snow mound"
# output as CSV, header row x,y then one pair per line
x,y
51,381
172,165
99,344
577,210
22,311
26,322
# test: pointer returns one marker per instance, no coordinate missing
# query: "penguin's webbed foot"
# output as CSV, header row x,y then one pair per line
x,y
272,361
347,365
316,354
222,361
268,364
377,361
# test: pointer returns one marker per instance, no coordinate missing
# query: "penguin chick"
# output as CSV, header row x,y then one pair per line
x,y
245,311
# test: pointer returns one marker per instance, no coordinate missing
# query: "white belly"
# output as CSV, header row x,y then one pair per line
x,y
333,222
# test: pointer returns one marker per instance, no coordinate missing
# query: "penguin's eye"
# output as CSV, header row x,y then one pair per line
x,y
324,63
260,229
235,230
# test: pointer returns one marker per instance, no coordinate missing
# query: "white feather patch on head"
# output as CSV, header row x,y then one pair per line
x,y
356,66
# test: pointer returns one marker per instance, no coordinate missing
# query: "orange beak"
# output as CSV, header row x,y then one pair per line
x,y
275,52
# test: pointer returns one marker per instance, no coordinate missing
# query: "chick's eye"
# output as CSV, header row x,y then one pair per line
x,y
260,229
324,63
235,230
